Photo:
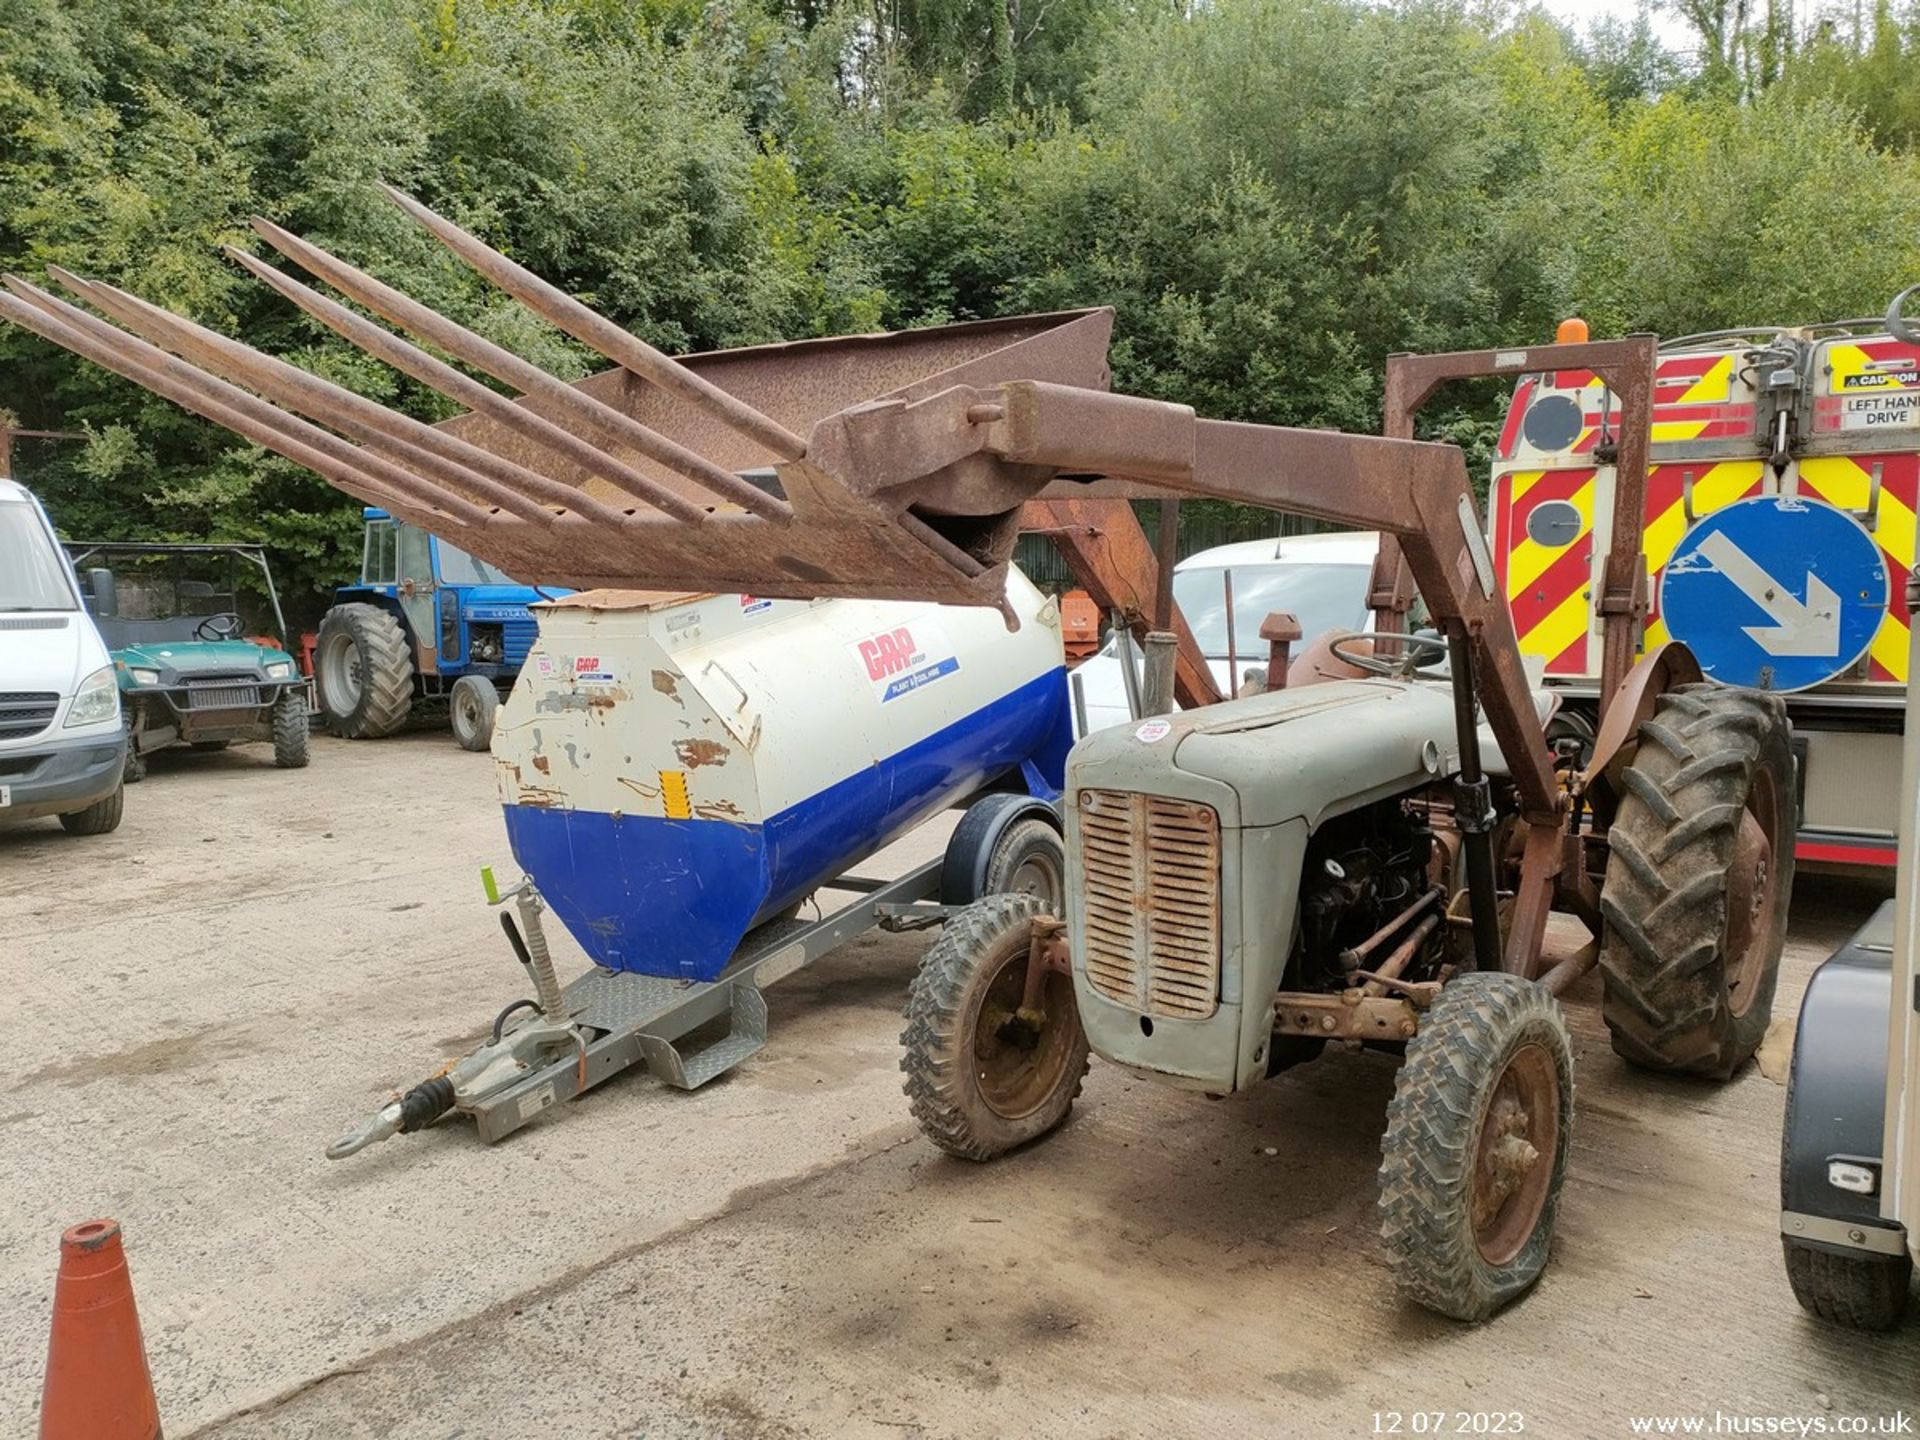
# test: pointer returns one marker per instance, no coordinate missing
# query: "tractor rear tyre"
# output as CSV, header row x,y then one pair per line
x,y
1697,884
365,671
1476,1145
292,734
981,1078
472,707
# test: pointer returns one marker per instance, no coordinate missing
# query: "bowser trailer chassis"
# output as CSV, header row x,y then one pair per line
x,y
575,1037
1231,871
609,1021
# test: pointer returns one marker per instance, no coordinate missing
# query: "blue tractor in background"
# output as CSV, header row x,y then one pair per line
x,y
426,622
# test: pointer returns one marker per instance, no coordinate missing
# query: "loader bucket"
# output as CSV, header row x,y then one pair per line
x,y
735,470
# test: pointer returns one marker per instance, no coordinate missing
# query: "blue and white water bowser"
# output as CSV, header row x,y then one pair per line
x,y
676,769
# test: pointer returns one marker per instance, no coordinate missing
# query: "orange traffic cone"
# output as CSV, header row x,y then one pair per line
x,y
97,1384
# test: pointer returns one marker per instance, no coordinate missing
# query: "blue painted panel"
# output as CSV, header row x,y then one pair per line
x,y
674,897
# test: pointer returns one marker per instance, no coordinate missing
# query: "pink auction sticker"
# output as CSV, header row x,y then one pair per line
x,y
1153,730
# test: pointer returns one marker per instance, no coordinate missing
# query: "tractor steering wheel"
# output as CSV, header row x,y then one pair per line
x,y
1417,653
224,626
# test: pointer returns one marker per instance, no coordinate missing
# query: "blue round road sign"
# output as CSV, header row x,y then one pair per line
x,y
1777,592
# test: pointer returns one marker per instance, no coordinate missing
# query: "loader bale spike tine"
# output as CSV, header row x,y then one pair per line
x,y
344,477
408,358
352,468
592,329
464,345
449,460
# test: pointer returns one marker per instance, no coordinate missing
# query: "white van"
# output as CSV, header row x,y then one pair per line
x,y
1320,579
62,746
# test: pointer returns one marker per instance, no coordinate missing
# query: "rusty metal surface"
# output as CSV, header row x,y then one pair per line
x,y
1665,667
1106,549
1150,872
1627,366
1348,1015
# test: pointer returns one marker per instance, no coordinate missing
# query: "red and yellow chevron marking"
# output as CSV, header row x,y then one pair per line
x,y
1714,486
1691,401
1516,410
1547,585
1846,482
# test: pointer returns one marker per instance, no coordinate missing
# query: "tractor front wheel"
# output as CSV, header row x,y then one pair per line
x,y
365,671
472,708
1476,1145
982,1076
1698,878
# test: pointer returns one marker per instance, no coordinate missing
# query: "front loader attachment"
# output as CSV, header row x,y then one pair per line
x,y
891,467
657,474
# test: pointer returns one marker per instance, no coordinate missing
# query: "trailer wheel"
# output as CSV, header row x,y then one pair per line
x,y
1029,859
292,735
983,1080
1476,1145
1698,881
473,705
365,671
1867,1293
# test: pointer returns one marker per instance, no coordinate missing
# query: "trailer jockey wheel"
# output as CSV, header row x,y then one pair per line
x,y
1699,874
982,1075
1476,1145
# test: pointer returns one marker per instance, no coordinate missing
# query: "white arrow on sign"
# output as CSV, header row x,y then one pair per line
x,y
1810,628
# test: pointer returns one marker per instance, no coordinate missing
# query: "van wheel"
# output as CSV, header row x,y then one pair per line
x,y
99,818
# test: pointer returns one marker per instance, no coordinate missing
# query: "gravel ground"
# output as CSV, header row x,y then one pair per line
x,y
201,1001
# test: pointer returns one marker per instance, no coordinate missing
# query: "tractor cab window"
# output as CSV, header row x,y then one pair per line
x,y
381,564
459,568
416,564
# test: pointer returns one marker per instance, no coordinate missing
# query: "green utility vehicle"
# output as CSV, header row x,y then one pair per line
x,y
192,669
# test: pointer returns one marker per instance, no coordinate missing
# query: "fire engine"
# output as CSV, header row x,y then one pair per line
x,y
1823,415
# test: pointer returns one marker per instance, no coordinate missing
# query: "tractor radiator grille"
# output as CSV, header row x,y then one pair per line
x,y
26,712
516,638
1150,902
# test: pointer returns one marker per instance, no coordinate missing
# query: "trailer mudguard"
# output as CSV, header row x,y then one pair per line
x,y
1836,1097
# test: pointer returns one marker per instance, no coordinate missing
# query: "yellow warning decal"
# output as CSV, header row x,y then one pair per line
x,y
673,795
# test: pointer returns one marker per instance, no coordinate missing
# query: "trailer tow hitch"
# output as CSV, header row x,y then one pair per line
x,y
507,1058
